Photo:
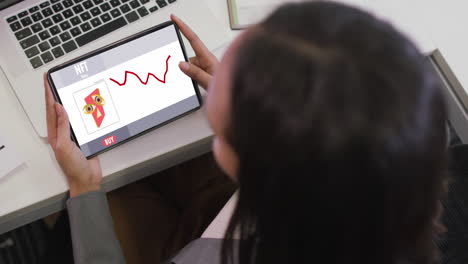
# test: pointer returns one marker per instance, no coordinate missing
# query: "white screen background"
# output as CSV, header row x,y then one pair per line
x,y
134,100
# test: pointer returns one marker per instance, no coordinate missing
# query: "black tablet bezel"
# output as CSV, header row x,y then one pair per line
x,y
114,45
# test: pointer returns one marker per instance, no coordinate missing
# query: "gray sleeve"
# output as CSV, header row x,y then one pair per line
x,y
92,230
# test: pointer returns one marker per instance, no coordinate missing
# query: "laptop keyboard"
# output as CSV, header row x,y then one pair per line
x,y
53,28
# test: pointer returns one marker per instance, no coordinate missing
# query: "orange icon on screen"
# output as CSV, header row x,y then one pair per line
x,y
95,106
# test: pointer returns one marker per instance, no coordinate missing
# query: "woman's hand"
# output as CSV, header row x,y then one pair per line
x,y
83,175
202,66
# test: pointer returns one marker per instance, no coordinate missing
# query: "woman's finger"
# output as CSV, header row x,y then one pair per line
x,y
194,60
197,45
51,114
48,92
194,72
63,126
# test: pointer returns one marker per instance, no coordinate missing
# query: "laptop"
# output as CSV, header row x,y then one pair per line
x,y
40,34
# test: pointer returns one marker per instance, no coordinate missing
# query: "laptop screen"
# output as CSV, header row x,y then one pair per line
x,y
124,91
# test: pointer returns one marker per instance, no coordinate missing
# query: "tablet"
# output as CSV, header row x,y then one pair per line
x,y
125,89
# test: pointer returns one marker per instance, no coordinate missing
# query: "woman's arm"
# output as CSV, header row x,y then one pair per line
x,y
94,239
82,175
93,236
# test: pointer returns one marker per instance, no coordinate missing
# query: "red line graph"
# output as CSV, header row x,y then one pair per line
x,y
147,77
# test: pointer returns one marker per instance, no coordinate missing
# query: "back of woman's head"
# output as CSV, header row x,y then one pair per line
x,y
339,126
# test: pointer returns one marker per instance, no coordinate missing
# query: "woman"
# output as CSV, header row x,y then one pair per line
x,y
332,125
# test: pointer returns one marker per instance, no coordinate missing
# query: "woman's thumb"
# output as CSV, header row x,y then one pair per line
x,y
63,126
196,73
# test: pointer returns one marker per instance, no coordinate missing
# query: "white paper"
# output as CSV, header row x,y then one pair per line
x,y
9,157
408,20
252,12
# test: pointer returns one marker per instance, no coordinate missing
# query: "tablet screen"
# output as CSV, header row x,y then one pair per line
x,y
125,90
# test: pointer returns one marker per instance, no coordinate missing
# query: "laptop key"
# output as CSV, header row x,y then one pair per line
x,y
95,11
114,3
85,16
132,17
161,3
69,46
47,57
22,14
77,1
154,8
87,4
44,4
57,18
96,22
65,36
44,35
134,4
11,19
26,43
115,13
26,32
33,9
67,3
37,16
54,41
77,9
105,18
57,7
125,8
97,2
67,13
54,30
142,11
144,1
36,62
75,20
26,21
65,25
44,46
47,23
31,52
36,27
15,26
47,12
101,31
58,52
105,7
75,31
54,1
85,27
171,1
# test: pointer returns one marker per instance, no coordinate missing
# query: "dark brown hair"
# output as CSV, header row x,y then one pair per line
x,y
339,125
